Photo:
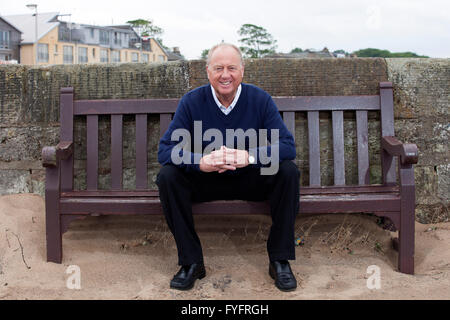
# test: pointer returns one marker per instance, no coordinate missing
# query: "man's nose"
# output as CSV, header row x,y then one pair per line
x,y
225,73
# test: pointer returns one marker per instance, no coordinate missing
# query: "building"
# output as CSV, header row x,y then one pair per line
x,y
60,42
9,42
307,54
175,54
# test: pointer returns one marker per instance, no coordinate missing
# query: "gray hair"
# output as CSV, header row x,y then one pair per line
x,y
223,44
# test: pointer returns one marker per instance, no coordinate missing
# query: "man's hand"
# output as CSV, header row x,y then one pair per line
x,y
224,159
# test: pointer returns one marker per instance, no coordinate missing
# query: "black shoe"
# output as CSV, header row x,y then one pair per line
x,y
282,273
185,278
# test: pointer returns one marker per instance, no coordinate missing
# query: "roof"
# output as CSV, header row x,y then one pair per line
x,y
6,21
26,23
174,56
122,28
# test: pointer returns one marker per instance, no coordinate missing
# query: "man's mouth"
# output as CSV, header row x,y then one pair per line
x,y
226,83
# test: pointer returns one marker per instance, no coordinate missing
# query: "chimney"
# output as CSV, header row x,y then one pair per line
x,y
176,50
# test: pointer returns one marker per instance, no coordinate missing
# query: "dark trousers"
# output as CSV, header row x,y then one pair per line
x,y
178,189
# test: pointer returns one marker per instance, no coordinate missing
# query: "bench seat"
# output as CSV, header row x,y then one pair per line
x,y
312,200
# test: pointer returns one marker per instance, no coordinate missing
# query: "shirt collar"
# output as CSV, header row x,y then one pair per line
x,y
235,100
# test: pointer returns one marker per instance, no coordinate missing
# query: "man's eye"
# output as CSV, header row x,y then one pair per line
x,y
218,69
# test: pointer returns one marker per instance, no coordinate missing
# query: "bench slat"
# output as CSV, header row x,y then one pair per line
x,y
125,106
116,152
164,122
309,204
338,148
303,191
314,148
289,121
141,151
92,152
363,147
305,103
327,103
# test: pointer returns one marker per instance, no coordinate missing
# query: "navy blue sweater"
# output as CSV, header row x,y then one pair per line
x,y
255,109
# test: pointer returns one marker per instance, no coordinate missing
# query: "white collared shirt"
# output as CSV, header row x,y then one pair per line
x,y
232,105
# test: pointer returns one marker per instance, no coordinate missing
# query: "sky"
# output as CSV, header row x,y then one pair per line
x,y
419,26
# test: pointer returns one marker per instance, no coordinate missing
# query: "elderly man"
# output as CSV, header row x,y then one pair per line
x,y
225,171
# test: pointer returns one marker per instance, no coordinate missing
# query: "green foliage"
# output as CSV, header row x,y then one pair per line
x,y
371,52
257,42
145,27
296,50
341,51
204,54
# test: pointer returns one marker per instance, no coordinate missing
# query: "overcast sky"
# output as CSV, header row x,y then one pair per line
x,y
420,26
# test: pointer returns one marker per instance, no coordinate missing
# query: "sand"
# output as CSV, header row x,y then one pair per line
x,y
135,257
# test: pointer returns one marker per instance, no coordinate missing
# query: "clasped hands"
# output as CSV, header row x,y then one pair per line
x,y
224,159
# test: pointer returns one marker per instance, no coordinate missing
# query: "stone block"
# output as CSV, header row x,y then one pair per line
x,y
14,181
421,87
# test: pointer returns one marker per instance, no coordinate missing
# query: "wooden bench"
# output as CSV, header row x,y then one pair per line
x,y
391,199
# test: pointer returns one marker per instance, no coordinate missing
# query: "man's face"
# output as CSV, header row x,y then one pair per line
x,y
225,73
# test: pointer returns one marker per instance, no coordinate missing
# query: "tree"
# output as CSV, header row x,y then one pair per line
x,y
204,54
340,51
296,50
371,52
145,28
257,41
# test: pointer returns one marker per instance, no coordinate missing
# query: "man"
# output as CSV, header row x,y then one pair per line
x,y
227,106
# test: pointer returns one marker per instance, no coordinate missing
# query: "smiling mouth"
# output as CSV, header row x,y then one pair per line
x,y
225,83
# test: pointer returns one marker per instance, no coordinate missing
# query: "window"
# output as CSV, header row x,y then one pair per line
x,y
5,57
104,55
115,56
145,58
42,52
134,57
67,54
117,38
104,37
4,39
56,48
161,58
92,32
82,55
93,52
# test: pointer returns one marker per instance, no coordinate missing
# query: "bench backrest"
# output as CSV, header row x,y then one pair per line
x,y
312,105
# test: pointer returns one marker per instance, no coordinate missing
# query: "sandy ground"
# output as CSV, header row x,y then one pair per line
x,y
135,258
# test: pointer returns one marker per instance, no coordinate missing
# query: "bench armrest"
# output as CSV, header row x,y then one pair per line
x,y
52,155
407,152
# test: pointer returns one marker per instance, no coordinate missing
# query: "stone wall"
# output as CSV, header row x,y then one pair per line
x,y
422,101
29,114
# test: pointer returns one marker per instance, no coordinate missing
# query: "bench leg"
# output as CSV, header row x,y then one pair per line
x,y
52,216
407,221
